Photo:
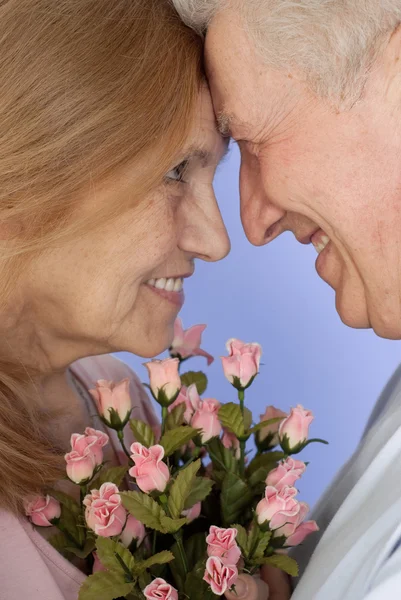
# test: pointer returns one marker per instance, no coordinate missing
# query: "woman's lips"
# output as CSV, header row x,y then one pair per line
x,y
170,288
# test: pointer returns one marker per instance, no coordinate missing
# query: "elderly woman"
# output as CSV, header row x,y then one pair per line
x,y
108,149
311,91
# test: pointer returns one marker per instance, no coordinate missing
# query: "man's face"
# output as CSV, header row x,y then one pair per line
x,y
332,178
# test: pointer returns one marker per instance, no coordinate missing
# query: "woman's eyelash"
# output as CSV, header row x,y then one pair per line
x,y
178,172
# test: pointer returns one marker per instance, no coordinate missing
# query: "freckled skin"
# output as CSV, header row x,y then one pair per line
x,y
306,166
89,295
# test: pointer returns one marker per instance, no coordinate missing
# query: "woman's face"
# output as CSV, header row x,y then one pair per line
x,y
119,287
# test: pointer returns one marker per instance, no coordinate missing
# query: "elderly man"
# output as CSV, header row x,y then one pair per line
x,y
311,91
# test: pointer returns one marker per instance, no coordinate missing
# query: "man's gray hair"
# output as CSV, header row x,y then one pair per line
x,y
334,43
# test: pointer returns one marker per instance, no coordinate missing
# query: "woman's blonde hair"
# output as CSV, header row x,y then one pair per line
x,y
87,87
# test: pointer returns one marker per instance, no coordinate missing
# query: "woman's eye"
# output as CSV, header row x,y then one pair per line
x,y
178,172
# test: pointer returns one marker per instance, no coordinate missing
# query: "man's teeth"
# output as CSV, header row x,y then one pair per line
x,y
170,284
321,244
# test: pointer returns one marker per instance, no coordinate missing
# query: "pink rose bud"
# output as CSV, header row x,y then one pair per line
x,y
296,529
104,513
230,440
206,418
150,472
97,565
86,454
187,343
190,397
268,436
165,381
221,543
219,576
192,513
133,530
242,364
41,510
301,532
277,507
286,473
159,589
113,402
293,431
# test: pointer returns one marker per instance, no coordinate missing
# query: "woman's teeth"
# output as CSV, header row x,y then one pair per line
x,y
170,285
321,243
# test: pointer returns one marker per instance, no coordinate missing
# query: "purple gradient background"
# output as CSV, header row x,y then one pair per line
x,y
273,295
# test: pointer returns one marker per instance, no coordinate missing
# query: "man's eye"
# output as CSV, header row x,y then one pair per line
x,y
178,172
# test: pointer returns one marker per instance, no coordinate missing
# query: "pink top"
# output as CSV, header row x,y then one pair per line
x,y
30,568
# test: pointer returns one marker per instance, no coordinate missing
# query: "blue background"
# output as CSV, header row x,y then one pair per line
x,y
273,295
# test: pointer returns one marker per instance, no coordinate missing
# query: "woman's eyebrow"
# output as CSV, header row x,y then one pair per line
x,y
205,156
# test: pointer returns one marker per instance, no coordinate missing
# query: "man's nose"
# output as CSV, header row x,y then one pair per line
x,y
260,217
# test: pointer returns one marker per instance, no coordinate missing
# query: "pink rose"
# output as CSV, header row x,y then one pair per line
x,y
230,440
301,532
159,589
113,402
221,543
104,513
192,513
206,418
293,431
133,530
150,472
269,434
242,364
190,397
97,565
277,507
86,454
286,473
165,381
296,529
41,510
187,343
219,576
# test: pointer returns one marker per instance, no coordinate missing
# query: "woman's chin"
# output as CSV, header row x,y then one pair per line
x,y
148,346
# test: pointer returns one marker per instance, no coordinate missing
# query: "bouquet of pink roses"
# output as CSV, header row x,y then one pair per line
x,y
191,509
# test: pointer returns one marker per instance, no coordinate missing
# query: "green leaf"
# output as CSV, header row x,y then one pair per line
x,y
143,433
173,439
281,561
196,377
161,558
175,418
181,489
253,537
72,525
66,500
223,459
262,544
242,539
144,508
107,549
262,424
260,474
264,460
247,419
201,488
231,417
59,542
195,587
113,475
89,546
235,496
172,525
104,585
195,547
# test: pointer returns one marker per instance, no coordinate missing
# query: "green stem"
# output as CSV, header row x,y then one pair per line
x,y
164,417
178,539
241,398
121,438
242,443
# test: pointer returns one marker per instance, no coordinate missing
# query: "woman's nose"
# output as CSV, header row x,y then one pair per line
x,y
204,234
